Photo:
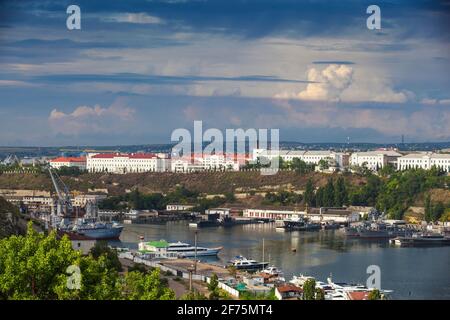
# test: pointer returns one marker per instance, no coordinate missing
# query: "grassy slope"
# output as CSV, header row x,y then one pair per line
x,y
204,182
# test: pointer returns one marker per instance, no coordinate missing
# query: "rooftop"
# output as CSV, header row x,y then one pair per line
x,y
69,159
288,288
124,155
358,295
158,244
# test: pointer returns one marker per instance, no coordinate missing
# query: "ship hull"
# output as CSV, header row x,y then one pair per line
x,y
258,266
206,253
102,233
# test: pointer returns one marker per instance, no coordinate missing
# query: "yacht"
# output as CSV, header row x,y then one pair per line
x,y
300,280
242,263
273,271
419,239
181,249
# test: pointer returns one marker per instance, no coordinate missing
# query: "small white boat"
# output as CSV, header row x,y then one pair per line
x,y
243,263
300,280
273,271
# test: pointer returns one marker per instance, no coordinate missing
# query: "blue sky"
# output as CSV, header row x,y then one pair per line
x,y
139,69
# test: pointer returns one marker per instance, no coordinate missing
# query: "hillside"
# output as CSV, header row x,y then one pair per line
x,y
8,218
203,182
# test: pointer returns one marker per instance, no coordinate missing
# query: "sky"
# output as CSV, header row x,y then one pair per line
x,y
137,70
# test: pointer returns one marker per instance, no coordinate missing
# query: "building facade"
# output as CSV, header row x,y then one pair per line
x,y
127,162
212,162
78,162
315,214
374,160
338,159
424,161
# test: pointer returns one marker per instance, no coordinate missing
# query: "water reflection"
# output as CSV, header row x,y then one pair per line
x,y
411,272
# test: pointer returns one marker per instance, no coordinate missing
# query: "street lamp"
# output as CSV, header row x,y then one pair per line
x,y
195,252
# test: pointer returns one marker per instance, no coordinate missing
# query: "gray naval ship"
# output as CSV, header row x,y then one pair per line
x,y
87,227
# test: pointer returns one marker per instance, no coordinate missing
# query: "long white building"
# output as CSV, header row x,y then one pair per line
x,y
127,162
424,161
339,159
374,160
205,162
314,214
79,162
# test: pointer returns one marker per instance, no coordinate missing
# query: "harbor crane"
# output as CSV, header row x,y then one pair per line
x,y
64,207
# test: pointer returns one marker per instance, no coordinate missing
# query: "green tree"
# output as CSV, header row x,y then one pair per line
x,y
213,287
309,289
101,248
323,164
340,192
320,197
328,194
194,296
308,195
438,211
35,266
138,286
375,294
320,294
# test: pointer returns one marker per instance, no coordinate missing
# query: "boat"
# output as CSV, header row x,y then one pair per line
x,y
98,230
242,263
91,228
181,249
419,239
351,232
330,225
300,280
297,223
273,271
374,230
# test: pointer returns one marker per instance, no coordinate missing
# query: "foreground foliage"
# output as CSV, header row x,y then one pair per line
x,y
35,267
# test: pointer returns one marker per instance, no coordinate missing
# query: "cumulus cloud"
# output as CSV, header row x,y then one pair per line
x,y
329,84
337,83
89,120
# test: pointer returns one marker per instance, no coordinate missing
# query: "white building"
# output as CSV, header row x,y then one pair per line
x,y
179,207
424,161
314,214
127,162
204,162
374,160
78,162
82,199
313,157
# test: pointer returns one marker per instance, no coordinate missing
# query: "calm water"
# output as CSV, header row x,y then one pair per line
x,y
413,273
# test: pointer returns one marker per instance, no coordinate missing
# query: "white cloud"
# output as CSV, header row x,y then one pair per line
x,y
423,123
341,83
435,101
89,120
138,18
329,84
15,83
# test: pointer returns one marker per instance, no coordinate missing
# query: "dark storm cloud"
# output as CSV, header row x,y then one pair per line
x,y
259,18
156,79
